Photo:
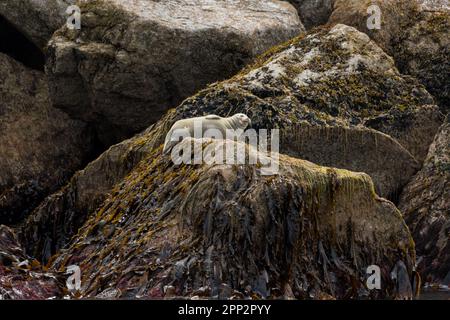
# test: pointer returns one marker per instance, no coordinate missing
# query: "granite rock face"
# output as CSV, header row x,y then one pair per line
x,y
40,147
426,207
132,61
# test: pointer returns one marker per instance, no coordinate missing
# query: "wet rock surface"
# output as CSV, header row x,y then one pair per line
x,y
21,277
310,230
131,62
425,205
41,147
413,127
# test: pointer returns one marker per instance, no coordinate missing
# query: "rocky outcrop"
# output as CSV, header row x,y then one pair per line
x,y
313,13
22,277
414,35
226,230
317,89
396,17
40,147
424,53
60,215
130,62
426,207
330,78
413,127
37,20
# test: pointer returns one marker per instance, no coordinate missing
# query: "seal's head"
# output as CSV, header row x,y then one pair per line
x,y
242,120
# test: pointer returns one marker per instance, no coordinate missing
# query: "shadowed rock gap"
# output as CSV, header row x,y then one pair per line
x,y
16,45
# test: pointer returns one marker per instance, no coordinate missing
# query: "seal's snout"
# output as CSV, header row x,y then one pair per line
x,y
244,120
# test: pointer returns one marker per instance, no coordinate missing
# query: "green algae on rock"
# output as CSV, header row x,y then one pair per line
x,y
309,231
332,77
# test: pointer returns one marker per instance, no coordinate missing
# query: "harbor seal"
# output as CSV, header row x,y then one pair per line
x,y
239,121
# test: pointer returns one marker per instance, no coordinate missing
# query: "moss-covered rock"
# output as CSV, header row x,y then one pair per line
x,y
298,87
332,77
426,207
424,53
414,33
307,232
313,13
132,61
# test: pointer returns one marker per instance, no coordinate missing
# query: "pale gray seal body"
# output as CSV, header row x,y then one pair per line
x,y
235,122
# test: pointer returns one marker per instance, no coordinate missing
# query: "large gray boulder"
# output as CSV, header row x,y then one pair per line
x,y
426,207
133,60
40,147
